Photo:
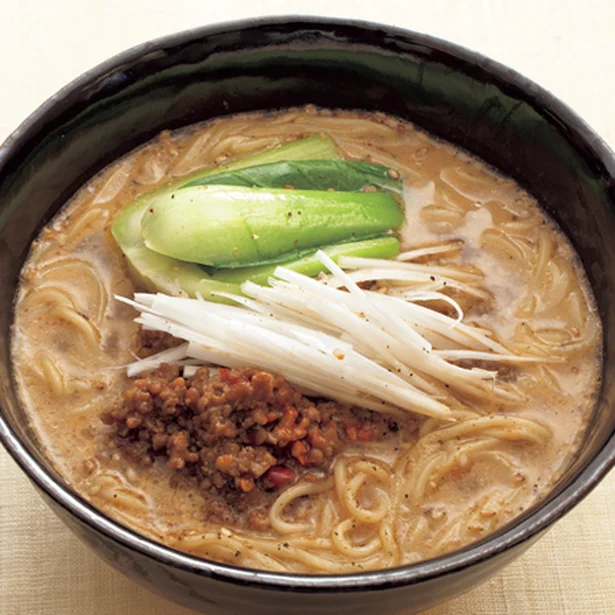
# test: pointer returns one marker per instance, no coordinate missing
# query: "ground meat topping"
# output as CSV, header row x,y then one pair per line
x,y
234,430
152,342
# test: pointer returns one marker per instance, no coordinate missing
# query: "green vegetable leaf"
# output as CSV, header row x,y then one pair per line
x,y
232,226
380,247
340,175
154,271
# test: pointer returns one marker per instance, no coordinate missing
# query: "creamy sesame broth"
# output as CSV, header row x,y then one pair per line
x,y
415,487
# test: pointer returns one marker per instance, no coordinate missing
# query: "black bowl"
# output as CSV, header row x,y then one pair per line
x,y
274,63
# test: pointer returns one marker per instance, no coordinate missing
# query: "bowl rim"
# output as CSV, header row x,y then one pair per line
x,y
520,532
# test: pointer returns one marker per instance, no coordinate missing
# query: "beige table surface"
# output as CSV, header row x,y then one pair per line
x,y
567,46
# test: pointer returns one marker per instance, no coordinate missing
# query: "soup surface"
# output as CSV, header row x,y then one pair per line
x,y
394,489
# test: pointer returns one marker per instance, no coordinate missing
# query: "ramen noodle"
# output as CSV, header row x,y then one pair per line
x,y
415,486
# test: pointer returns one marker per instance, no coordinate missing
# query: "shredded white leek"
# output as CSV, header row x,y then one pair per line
x,y
332,338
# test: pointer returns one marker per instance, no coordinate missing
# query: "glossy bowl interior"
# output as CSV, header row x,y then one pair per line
x,y
275,63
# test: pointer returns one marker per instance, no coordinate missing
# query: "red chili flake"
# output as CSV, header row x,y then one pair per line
x,y
279,476
365,433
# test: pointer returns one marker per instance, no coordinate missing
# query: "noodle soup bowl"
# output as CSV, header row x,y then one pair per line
x,y
456,94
